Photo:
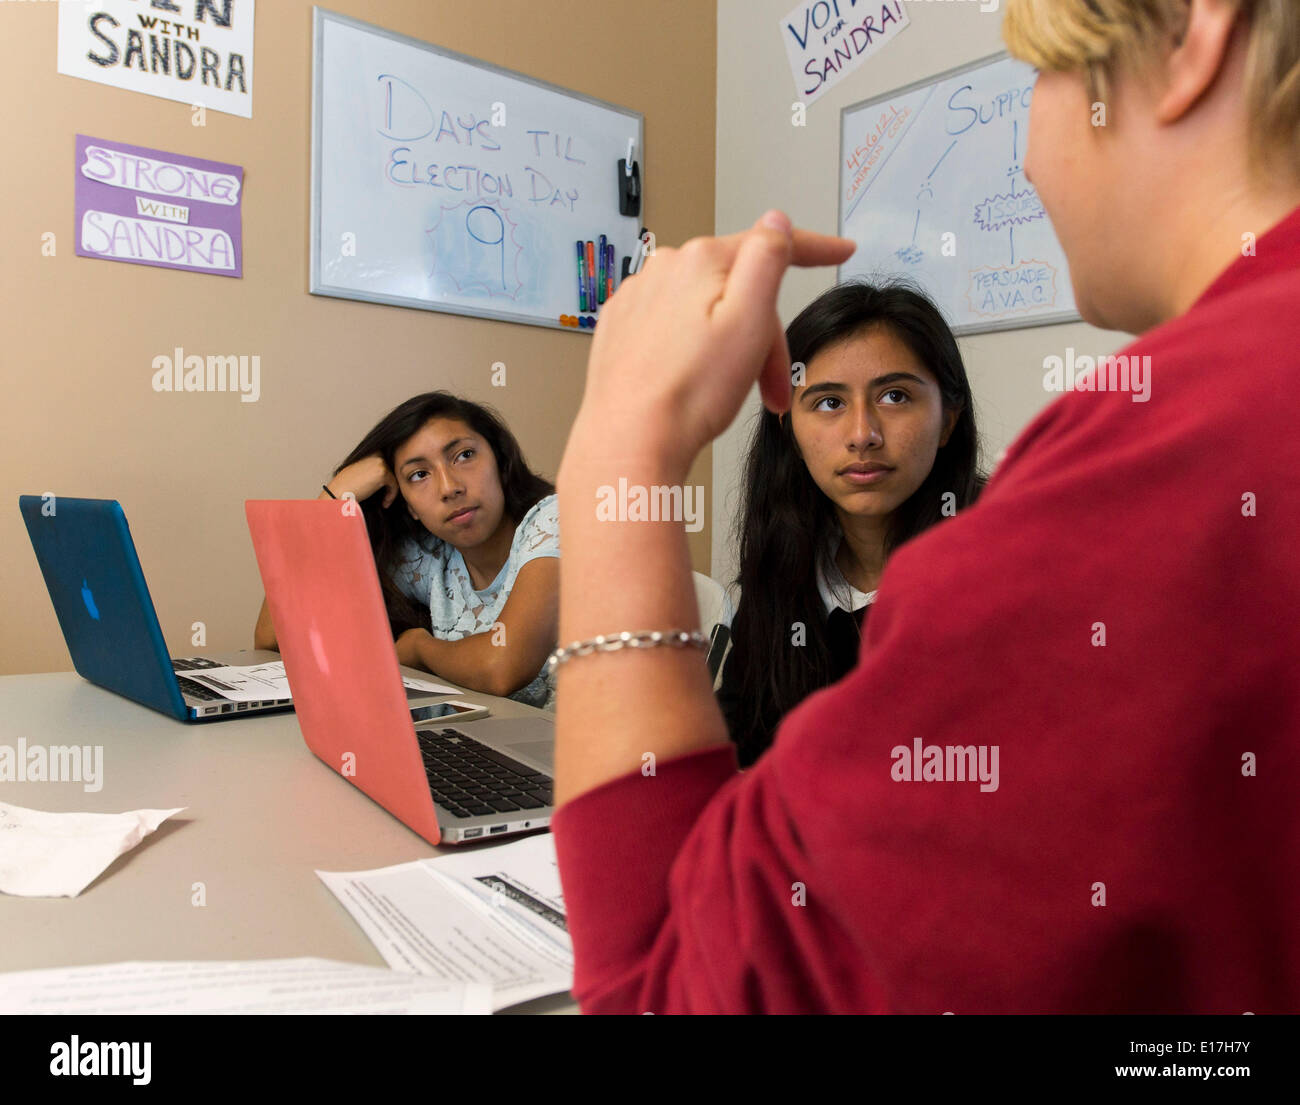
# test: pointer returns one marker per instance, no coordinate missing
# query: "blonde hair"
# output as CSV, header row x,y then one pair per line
x,y
1097,35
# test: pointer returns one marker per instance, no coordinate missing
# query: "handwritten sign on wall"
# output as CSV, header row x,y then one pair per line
x,y
194,51
826,40
147,207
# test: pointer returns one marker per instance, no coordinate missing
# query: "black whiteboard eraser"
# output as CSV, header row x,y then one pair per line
x,y
629,188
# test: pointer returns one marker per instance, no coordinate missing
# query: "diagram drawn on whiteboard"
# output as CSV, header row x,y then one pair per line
x,y
932,187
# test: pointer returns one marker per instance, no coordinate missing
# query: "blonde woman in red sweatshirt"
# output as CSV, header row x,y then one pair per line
x,y
1062,776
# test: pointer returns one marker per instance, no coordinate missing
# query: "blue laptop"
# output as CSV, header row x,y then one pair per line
x,y
93,574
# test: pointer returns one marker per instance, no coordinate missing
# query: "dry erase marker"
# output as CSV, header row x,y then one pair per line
x,y
609,269
601,259
591,275
582,279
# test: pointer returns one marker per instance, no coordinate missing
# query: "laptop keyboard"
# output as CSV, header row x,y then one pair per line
x,y
197,690
188,686
469,779
192,663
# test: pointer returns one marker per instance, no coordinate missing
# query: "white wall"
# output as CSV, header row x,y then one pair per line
x,y
764,161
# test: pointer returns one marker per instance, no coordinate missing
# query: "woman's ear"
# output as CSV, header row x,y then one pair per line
x,y
1196,56
950,417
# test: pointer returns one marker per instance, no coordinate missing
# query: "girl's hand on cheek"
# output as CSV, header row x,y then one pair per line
x,y
365,478
679,345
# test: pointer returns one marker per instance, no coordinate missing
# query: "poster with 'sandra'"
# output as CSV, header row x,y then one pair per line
x,y
150,207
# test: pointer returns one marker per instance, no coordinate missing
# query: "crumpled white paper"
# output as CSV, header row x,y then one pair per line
x,y
58,855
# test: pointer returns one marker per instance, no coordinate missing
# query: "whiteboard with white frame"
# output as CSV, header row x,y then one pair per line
x,y
444,183
932,187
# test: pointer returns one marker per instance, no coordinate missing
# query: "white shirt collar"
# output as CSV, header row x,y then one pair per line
x,y
835,590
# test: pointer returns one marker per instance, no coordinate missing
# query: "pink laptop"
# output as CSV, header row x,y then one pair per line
x,y
450,782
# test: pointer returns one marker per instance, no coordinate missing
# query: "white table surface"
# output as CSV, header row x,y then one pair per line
x,y
262,814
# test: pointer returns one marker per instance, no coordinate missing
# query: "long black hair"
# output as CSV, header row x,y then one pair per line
x,y
390,529
786,523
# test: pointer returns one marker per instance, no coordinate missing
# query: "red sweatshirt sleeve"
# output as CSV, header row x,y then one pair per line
x,y
1101,654
707,942
615,883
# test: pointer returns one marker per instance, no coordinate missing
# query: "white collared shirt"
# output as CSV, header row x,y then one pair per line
x,y
835,590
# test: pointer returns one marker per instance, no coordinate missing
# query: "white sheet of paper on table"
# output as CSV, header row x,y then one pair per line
x,y
245,682
58,855
268,682
428,687
252,986
493,915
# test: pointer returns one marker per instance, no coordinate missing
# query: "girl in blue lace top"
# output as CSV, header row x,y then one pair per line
x,y
466,541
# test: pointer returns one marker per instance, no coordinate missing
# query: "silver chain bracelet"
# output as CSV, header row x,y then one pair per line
x,y
677,638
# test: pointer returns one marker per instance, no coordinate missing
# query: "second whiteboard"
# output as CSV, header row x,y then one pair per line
x,y
932,187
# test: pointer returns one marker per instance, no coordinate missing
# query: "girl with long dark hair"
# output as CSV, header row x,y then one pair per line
x,y
466,541
879,444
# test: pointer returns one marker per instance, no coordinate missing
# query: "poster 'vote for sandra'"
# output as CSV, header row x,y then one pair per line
x,y
150,207
199,52
826,40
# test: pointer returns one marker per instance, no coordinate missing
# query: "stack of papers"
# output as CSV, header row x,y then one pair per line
x,y
267,682
257,986
469,933
493,916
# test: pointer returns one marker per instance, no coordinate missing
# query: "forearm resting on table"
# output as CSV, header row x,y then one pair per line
x,y
615,576
475,663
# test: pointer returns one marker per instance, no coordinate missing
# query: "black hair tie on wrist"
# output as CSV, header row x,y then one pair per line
x,y
326,488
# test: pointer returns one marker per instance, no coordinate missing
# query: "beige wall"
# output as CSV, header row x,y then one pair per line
x,y
764,161
79,416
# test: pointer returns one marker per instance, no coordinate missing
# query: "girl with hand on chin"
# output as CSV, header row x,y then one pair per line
x,y
878,445
466,542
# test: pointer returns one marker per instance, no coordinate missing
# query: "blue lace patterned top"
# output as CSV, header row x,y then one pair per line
x,y
435,573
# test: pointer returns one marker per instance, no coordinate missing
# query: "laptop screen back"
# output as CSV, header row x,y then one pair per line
x,y
93,575
334,637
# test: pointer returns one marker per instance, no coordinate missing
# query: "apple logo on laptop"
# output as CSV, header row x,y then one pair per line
x,y
318,649
89,600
